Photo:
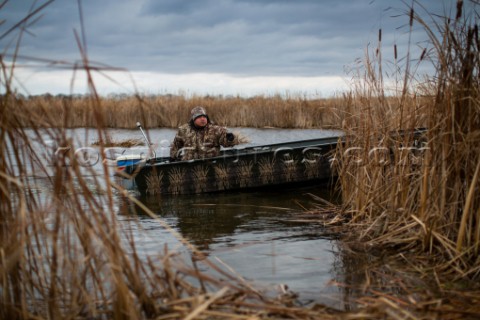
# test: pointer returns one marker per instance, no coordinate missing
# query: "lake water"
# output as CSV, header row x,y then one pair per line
x,y
266,237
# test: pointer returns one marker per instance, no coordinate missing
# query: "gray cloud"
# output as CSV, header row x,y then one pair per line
x,y
236,37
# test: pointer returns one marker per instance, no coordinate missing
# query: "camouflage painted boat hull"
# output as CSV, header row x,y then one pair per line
x,y
300,162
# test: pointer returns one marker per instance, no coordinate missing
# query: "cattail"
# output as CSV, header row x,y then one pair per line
x,y
470,37
459,9
424,52
395,55
475,31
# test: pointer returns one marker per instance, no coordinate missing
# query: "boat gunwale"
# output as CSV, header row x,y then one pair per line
x,y
251,150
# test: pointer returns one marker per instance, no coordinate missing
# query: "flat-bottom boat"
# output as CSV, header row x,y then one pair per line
x,y
298,162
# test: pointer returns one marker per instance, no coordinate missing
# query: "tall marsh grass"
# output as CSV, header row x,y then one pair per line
x,y
171,111
426,198
63,254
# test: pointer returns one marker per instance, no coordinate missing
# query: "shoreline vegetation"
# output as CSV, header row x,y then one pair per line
x,y
63,255
171,111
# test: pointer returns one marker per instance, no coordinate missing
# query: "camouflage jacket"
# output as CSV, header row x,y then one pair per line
x,y
193,143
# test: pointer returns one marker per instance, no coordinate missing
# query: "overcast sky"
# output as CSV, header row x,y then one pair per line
x,y
243,47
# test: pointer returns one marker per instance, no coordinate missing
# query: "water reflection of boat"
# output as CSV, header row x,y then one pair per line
x,y
298,162
235,218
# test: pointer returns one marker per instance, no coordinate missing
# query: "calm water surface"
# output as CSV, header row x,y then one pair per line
x,y
264,236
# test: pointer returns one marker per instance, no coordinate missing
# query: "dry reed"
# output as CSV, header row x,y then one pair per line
x,y
172,111
63,254
62,251
411,195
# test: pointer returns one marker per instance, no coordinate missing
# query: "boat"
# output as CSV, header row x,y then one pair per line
x,y
290,163
297,162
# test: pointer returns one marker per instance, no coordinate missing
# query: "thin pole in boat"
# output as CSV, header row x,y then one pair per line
x,y
139,126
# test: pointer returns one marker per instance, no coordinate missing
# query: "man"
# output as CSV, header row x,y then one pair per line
x,y
199,138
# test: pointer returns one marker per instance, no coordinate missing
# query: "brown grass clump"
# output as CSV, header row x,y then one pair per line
x,y
413,195
126,143
172,111
64,254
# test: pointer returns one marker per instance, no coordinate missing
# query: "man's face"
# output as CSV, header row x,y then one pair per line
x,y
200,121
